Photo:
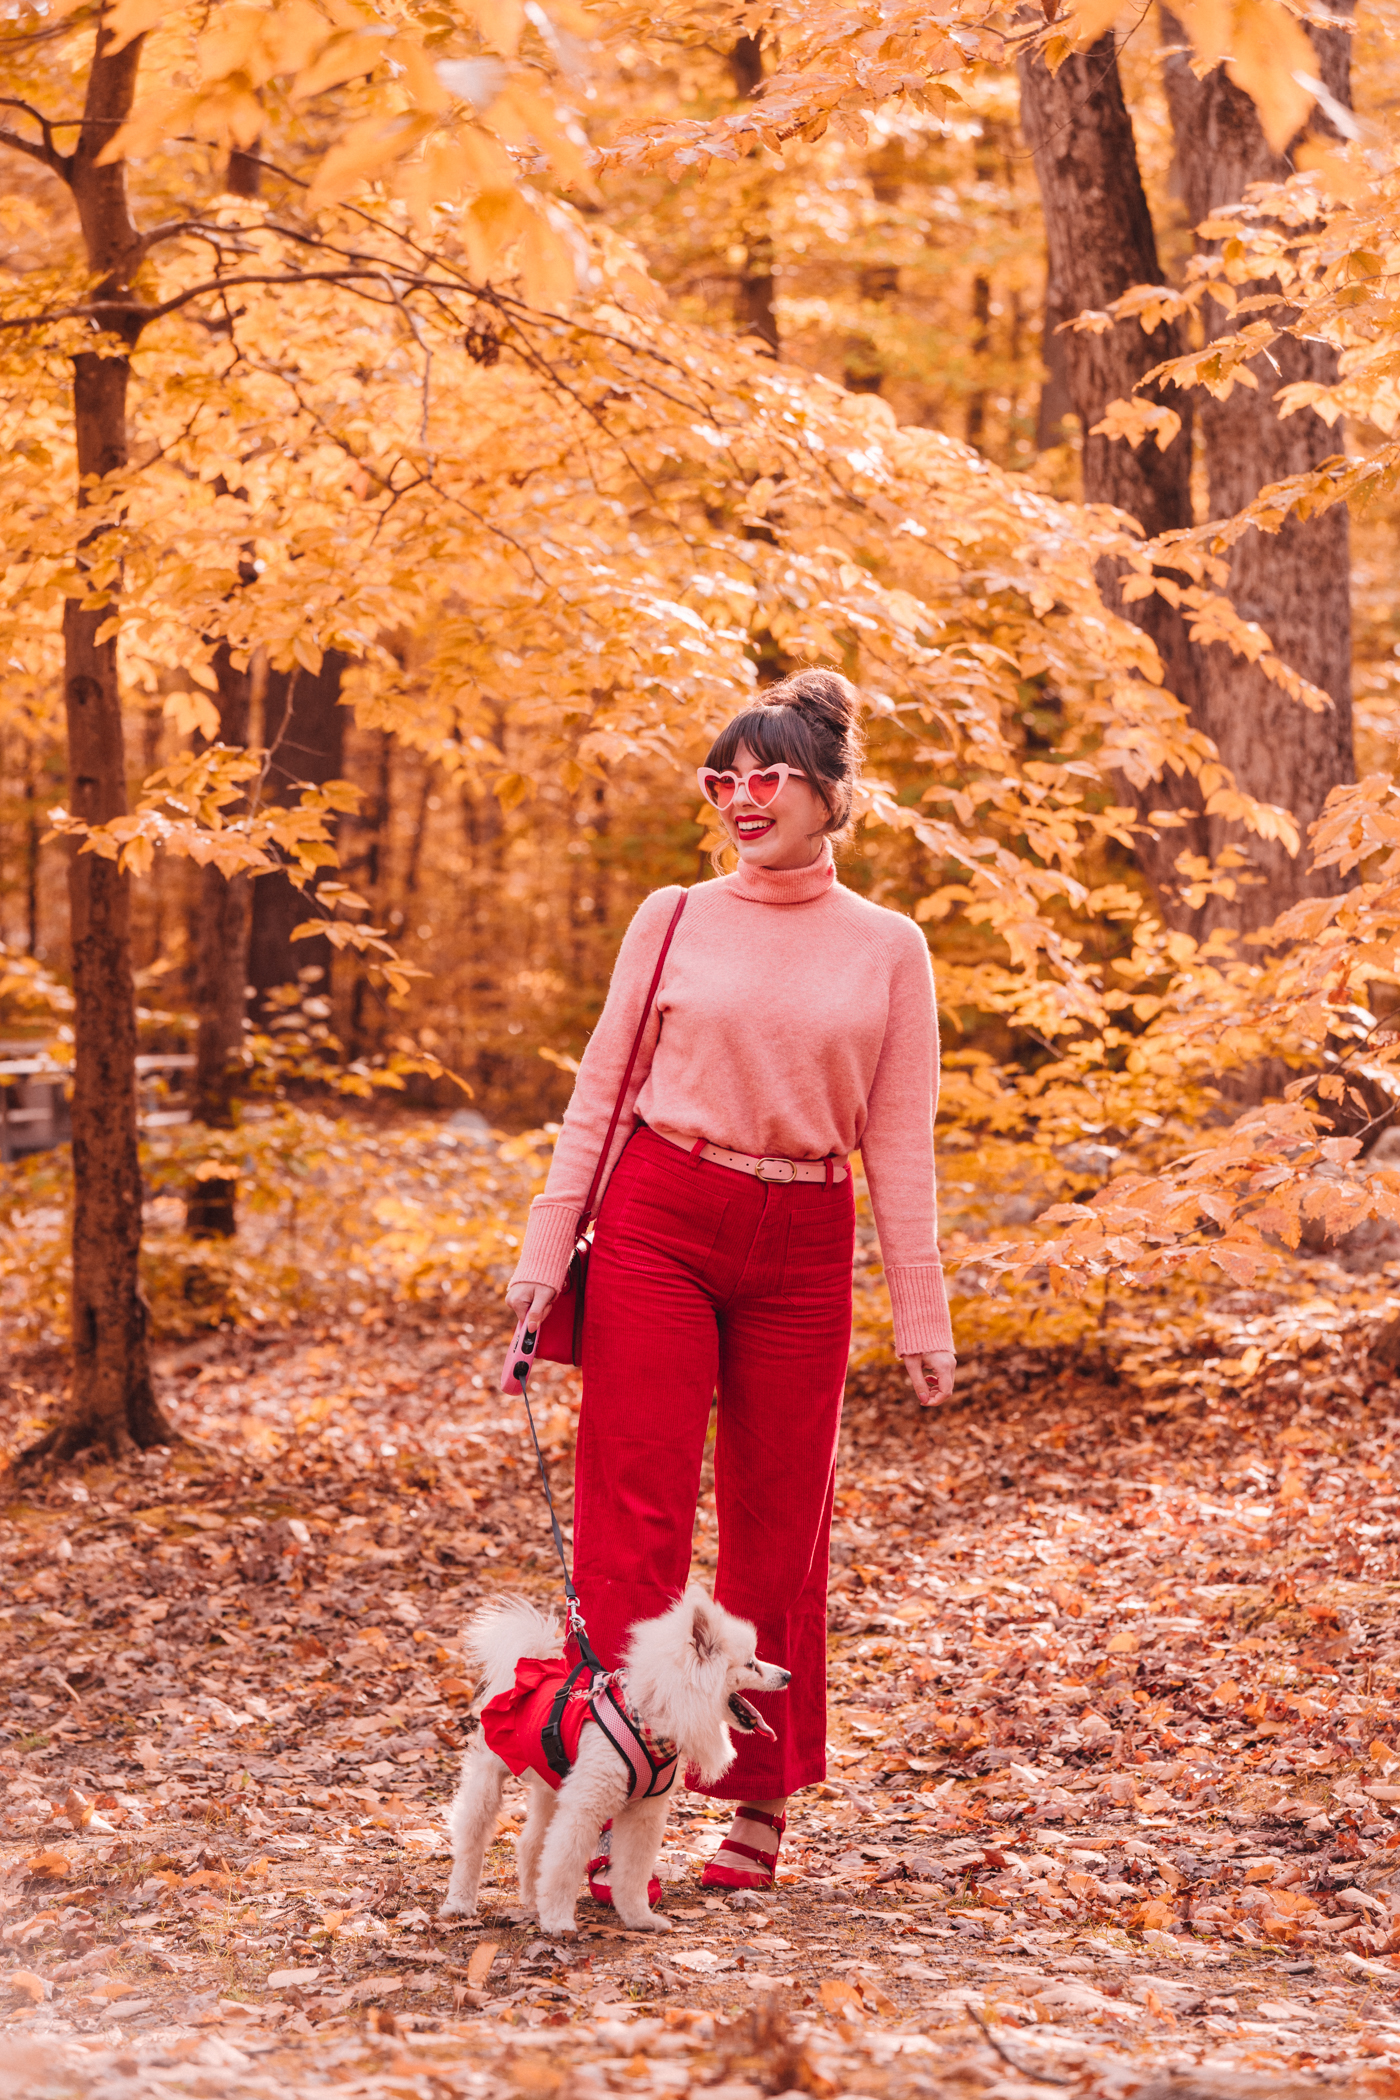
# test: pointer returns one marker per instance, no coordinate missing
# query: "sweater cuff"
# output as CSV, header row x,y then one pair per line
x,y
551,1232
919,1302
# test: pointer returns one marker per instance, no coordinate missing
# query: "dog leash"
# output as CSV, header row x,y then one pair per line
x,y
552,1734
657,1760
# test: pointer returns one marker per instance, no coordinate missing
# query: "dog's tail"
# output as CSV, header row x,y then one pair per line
x,y
499,1634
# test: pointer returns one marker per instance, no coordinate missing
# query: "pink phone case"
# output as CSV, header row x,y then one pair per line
x,y
520,1358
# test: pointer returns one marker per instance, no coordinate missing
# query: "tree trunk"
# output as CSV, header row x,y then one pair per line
x,y
1100,242
305,730
1054,403
1297,582
368,873
221,976
32,838
975,428
111,1405
243,175
753,306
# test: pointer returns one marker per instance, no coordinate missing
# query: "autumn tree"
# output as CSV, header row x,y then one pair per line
x,y
304,730
100,314
1294,584
400,418
219,940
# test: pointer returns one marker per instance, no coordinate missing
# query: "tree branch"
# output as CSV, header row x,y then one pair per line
x,y
97,309
171,229
48,153
28,147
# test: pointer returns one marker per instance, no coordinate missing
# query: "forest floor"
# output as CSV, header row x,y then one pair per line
x,y
1113,1731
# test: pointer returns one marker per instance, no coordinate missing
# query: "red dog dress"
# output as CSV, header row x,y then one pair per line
x,y
537,1725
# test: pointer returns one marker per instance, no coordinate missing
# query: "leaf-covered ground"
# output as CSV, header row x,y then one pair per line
x,y
1113,1728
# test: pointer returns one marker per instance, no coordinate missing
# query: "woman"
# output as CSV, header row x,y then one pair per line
x,y
793,1022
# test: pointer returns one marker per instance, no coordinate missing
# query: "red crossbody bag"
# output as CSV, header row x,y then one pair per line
x,y
561,1330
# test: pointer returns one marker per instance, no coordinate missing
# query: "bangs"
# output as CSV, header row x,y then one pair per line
x,y
775,735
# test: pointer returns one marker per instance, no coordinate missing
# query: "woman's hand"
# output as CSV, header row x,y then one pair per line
x,y
932,1373
530,1302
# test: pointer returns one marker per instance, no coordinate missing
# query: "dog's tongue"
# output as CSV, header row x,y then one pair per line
x,y
749,1718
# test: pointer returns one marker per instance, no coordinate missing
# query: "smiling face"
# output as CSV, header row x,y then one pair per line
x,y
787,834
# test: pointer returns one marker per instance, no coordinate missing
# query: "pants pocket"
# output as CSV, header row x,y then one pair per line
x,y
820,1244
662,1215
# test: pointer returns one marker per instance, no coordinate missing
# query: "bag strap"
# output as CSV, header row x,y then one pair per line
x,y
586,1213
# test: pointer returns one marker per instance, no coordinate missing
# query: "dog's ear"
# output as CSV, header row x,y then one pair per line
x,y
702,1631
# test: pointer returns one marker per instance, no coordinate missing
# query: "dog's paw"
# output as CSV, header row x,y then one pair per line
x,y
562,1927
457,1907
649,1921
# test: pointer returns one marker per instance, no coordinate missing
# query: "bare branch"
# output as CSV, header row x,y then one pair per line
x,y
44,154
108,309
77,19
171,229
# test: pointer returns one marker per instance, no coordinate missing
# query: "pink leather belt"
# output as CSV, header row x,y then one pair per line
x,y
765,1166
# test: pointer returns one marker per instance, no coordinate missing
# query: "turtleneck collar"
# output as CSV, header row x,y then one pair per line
x,y
784,885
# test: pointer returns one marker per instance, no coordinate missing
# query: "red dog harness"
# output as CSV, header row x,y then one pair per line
x,y
538,1724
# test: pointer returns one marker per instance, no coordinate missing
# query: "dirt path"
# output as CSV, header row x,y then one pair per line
x,y
1115,1754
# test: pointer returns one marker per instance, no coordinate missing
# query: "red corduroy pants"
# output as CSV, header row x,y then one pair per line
x,y
700,1280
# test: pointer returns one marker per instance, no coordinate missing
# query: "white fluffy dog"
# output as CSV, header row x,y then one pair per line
x,y
681,1673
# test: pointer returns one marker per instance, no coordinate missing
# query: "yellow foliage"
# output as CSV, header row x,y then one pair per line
x,y
419,402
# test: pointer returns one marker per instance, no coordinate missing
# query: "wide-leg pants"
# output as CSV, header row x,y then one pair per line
x,y
703,1279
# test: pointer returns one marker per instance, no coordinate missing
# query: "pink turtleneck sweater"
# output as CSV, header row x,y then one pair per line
x,y
792,1018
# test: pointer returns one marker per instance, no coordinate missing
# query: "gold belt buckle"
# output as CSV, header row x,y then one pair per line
x,y
782,1169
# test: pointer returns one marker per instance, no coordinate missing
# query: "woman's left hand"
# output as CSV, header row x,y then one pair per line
x,y
932,1373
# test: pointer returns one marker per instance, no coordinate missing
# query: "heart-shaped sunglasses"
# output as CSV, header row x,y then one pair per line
x,y
762,786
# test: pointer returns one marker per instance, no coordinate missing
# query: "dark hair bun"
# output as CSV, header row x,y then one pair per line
x,y
826,695
811,720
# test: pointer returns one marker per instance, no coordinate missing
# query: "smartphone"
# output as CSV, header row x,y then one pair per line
x,y
519,1357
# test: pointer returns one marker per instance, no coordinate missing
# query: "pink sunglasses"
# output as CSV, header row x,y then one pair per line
x,y
762,786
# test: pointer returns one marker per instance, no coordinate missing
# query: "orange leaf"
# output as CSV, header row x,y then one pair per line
x,y
47,1866
479,1967
29,1985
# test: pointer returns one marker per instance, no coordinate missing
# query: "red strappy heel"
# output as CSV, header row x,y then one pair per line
x,y
599,1887
719,1875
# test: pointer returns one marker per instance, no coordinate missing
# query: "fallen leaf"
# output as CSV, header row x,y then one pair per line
x,y
375,1987
25,1983
47,1866
86,1965
83,1815
479,1966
